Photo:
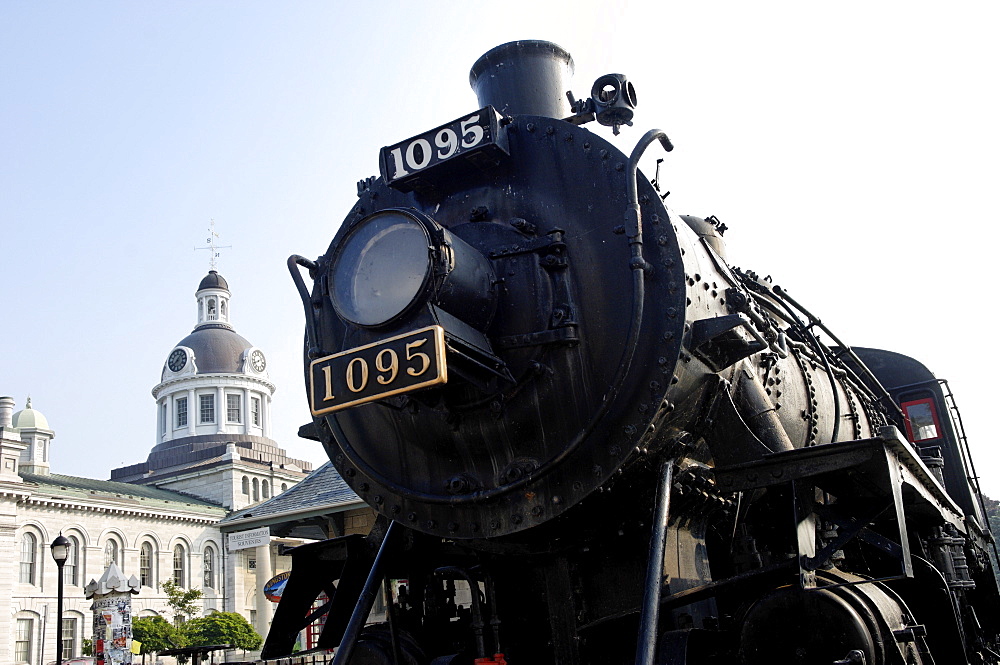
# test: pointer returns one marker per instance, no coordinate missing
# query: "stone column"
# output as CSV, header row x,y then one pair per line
x,y
262,604
245,411
193,412
220,409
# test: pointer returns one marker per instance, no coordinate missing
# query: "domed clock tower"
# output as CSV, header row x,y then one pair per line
x,y
213,406
214,381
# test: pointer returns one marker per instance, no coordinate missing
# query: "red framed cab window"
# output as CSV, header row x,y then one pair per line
x,y
922,422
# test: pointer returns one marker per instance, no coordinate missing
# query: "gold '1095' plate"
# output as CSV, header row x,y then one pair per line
x,y
388,367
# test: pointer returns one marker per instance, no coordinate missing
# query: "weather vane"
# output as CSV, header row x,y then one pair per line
x,y
212,235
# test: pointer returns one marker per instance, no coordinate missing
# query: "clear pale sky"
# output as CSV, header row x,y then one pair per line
x,y
851,148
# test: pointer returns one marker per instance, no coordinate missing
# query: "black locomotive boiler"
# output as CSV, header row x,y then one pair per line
x,y
591,440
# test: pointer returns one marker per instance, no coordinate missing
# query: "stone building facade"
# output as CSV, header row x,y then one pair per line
x,y
159,519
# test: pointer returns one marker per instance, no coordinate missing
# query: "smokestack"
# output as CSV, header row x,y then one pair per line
x,y
528,77
6,411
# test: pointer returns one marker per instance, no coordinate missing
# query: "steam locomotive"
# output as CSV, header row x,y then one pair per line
x,y
590,439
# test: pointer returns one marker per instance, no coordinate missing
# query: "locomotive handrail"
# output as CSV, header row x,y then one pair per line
x,y
845,349
312,343
819,349
633,217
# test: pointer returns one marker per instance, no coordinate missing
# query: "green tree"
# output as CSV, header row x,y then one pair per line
x,y
222,628
993,515
156,634
182,601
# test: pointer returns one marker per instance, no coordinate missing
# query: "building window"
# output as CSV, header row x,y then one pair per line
x,y
265,489
212,316
163,418
22,641
71,568
179,565
256,490
222,309
209,568
146,565
68,638
233,409
207,408
255,410
182,411
111,553
246,486
284,486
29,553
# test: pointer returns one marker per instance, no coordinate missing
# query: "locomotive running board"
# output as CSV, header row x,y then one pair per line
x,y
884,471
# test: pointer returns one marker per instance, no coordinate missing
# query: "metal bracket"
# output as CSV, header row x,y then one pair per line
x,y
723,341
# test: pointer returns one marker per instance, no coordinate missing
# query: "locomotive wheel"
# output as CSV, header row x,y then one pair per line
x,y
792,626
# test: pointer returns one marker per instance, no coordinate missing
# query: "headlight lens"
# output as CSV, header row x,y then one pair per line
x,y
381,268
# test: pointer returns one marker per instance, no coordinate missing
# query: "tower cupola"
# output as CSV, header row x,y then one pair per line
x,y
35,433
213,300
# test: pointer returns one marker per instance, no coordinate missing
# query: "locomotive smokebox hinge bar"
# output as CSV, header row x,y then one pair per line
x,y
563,327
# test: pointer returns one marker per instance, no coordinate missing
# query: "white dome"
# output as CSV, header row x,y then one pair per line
x,y
29,418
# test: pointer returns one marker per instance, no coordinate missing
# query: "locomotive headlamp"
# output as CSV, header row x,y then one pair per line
x,y
395,260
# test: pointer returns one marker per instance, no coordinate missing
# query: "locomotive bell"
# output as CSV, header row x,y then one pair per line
x,y
528,77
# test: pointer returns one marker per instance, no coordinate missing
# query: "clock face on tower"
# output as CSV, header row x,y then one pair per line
x,y
177,360
257,361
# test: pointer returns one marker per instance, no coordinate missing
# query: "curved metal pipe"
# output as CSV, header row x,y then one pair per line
x,y
477,610
633,217
294,261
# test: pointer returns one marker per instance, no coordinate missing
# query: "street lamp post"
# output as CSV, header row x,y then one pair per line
x,y
60,552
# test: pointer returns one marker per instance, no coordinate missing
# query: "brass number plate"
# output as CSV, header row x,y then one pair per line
x,y
389,367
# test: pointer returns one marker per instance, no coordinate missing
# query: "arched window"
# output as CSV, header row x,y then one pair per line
x,y
265,489
246,486
71,569
284,486
208,566
200,310
29,554
111,553
222,308
146,564
212,316
256,490
179,557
